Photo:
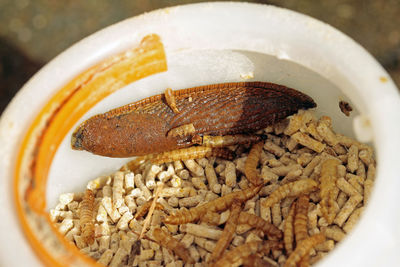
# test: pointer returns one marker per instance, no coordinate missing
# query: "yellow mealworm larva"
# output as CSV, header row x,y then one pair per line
x,y
183,130
142,210
328,184
304,248
293,189
86,217
219,204
238,254
167,241
226,140
288,233
170,98
259,223
301,218
229,231
193,152
250,167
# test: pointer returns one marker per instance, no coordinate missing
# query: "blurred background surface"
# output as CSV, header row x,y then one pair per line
x,y
32,32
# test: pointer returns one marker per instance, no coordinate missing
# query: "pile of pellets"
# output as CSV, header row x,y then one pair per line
x,y
294,150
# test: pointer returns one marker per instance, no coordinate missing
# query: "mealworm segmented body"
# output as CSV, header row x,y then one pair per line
x,y
301,218
250,166
303,248
288,233
219,204
226,140
142,210
86,220
328,183
141,128
167,241
238,254
194,152
229,231
257,222
292,189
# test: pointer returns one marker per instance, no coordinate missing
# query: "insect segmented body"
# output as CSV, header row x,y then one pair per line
x,y
145,208
257,222
167,241
219,204
229,231
216,110
86,216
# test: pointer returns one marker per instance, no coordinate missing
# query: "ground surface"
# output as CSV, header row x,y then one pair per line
x,y
32,32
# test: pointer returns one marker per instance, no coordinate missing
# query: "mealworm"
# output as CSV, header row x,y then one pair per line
x,y
181,131
288,234
229,231
255,261
194,152
300,225
292,189
219,204
86,220
259,223
142,210
301,218
170,98
328,179
167,241
226,140
303,248
237,255
250,166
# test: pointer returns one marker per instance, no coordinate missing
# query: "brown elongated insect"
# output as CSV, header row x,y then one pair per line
x,y
237,255
142,127
229,231
301,218
145,208
303,248
328,184
219,204
166,240
86,219
226,140
250,166
194,152
292,189
301,225
259,223
288,232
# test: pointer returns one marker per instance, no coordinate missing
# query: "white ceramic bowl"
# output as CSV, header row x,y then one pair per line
x,y
220,42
